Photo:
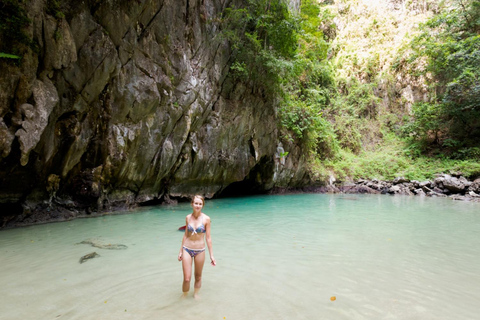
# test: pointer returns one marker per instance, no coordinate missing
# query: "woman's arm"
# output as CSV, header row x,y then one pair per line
x,y
209,241
180,254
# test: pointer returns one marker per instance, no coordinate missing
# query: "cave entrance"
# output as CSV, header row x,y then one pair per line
x,y
258,180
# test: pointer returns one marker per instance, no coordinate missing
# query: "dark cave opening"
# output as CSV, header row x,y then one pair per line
x,y
10,209
256,182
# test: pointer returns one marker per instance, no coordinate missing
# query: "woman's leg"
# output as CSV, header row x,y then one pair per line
x,y
187,271
199,261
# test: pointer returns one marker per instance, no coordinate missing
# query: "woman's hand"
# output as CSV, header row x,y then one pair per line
x,y
212,261
180,256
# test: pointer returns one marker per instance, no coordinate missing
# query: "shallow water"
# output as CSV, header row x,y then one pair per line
x,y
278,257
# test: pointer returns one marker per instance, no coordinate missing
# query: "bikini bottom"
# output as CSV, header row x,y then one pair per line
x,y
193,252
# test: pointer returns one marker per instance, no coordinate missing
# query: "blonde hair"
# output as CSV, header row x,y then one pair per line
x,y
199,197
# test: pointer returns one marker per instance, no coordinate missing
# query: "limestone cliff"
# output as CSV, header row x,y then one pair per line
x,y
126,102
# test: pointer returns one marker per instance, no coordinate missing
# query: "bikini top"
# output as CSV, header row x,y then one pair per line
x,y
200,229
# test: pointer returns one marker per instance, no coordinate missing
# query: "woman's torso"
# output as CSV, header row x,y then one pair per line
x,y
196,229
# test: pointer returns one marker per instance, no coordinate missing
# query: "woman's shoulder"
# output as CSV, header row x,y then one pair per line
x,y
205,217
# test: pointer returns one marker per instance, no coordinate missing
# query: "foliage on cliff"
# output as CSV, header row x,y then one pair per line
x,y
448,52
13,21
347,90
307,96
263,36
285,53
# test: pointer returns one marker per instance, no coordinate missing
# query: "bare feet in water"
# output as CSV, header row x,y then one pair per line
x,y
195,294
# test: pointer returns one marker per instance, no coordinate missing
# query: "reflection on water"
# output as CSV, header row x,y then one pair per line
x,y
278,257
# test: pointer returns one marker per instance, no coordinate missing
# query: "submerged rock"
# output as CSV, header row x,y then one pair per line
x,y
109,246
89,256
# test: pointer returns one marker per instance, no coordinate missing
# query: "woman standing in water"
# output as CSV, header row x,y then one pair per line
x,y
193,245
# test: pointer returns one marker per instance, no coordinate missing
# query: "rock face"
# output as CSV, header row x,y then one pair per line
x,y
127,102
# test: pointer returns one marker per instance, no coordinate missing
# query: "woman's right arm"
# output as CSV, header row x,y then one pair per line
x,y
180,254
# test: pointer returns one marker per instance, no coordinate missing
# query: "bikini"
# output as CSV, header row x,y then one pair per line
x,y
199,229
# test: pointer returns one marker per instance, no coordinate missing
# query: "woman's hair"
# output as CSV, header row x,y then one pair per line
x,y
199,197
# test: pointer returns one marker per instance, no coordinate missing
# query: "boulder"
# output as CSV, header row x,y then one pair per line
x,y
394,189
362,189
399,180
438,181
426,183
454,185
419,192
475,186
438,190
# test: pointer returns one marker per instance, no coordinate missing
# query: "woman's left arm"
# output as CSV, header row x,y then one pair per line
x,y
209,241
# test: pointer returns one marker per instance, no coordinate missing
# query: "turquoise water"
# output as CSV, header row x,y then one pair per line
x,y
278,257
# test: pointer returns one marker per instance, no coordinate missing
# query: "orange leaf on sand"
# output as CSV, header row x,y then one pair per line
x,y
333,298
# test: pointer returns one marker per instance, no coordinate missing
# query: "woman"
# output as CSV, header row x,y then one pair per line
x,y
193,245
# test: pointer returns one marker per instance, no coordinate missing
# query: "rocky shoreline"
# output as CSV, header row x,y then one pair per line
x,y
454,186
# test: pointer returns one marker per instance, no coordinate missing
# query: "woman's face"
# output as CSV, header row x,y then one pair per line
x,y
197,204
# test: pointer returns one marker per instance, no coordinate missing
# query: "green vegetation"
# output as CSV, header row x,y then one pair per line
x,y
14,38
263,37
13,21
54,9
389,160
338,87
447,54
438,135
307,95
8,56
285,54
